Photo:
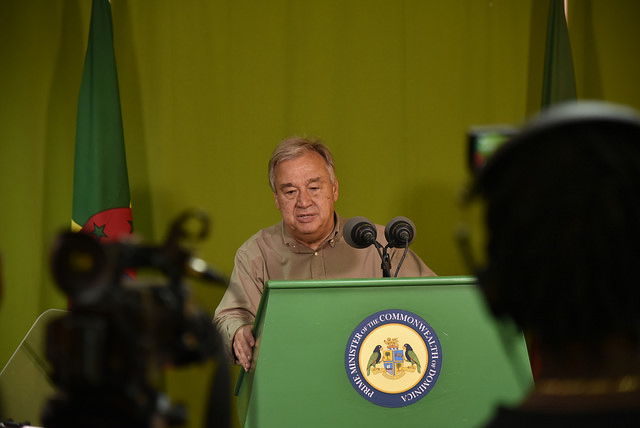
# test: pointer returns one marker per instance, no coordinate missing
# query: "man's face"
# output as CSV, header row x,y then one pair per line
x,y
305,197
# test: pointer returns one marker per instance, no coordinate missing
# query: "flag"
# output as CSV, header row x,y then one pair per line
x,y
101,199
559,82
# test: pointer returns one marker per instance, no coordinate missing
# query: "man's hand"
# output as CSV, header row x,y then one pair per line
x,y
243,343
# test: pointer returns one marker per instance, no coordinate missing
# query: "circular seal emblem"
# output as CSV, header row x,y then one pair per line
x,y
393,358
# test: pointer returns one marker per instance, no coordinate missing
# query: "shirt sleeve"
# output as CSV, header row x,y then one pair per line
x,y
240,302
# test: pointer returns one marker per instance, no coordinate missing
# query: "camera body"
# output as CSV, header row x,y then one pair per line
x,y
108,352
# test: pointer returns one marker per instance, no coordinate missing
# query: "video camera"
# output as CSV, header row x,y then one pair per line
x,y
130,317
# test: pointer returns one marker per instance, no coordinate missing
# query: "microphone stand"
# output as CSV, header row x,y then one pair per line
x,y
386,260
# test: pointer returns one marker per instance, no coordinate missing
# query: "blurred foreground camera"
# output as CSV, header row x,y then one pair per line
x,y
130,316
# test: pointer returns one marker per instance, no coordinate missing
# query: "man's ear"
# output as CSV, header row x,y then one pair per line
x,y
336,192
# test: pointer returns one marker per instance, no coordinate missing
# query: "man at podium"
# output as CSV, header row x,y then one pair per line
x,y
306,244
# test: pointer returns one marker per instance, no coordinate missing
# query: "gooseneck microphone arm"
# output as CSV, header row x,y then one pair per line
x,y
386,263
404,255
386,259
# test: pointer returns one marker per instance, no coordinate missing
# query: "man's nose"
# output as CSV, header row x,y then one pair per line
x,y
304,199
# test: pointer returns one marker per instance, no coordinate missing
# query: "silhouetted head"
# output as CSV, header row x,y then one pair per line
x,y
563,224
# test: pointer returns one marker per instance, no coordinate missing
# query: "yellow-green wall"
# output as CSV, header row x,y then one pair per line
x,y
209,87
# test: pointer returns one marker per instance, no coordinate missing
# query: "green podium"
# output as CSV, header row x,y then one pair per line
x,y
308,332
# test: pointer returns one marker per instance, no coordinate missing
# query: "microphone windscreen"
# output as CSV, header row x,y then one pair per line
x,y
399,232
359,232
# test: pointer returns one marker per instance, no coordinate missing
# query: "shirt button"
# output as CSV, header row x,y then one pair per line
x,y
315,254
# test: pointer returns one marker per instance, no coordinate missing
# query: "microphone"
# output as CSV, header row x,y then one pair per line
x,y
399,232
359,232
200,269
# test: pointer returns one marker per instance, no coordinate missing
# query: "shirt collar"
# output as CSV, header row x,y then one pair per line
x,y
331,240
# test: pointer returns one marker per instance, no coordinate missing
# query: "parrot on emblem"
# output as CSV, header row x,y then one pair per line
x,y
374,359
411,356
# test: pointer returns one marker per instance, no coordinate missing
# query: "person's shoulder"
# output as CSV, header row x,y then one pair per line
x,y
263,237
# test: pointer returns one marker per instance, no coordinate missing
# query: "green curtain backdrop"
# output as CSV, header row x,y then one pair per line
x,y
208,87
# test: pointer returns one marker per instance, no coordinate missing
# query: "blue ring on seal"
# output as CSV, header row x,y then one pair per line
x,y
431,371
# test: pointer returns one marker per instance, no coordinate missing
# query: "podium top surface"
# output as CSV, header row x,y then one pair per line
x,y
373,282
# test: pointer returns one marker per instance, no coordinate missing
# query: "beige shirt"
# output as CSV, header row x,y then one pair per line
x,y
272,254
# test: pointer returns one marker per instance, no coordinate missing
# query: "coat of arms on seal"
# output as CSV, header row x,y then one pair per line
x,y
395,361
393,358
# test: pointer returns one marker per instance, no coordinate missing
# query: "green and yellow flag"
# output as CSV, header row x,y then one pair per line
x,y
559,81
101,200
